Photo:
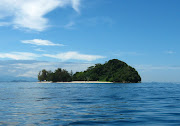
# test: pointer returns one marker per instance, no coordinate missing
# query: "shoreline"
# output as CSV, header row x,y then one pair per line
x,y
77,82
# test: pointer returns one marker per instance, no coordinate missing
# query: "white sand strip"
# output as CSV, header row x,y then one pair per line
x,y
77,82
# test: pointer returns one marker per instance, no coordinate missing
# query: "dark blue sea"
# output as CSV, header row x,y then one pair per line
x,y
53,104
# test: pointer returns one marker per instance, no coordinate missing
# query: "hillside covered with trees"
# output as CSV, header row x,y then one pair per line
x,y
112,71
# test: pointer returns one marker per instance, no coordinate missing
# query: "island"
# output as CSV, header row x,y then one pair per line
x,y
113,71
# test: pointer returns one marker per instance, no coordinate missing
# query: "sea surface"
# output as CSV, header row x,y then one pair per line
x,y
52,104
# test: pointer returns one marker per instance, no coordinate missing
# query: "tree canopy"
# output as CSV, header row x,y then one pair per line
x,y
112,71
59,75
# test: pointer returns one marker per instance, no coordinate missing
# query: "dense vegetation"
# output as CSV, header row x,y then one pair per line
x,y
60,75
112,71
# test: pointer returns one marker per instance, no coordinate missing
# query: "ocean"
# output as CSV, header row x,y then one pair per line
x,y
53,104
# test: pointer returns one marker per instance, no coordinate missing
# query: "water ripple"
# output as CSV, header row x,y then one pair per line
x,y
90,104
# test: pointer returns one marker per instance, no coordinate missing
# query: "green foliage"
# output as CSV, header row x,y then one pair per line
x,y
80,76
42,75
60,75
114,71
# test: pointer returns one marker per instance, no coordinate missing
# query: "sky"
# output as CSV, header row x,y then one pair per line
x,y
75,34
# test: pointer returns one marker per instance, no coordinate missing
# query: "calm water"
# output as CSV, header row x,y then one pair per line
x,y
90,104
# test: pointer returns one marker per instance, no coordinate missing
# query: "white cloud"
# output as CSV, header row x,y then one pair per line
x,y
31,68
19,55
41,42
74,56
30,13
39,50
62,56
75,4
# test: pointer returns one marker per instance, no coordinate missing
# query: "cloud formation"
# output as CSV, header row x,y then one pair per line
x,y
19,56
23,68
62,56
31,70
74,56
39,50
41,42
30,13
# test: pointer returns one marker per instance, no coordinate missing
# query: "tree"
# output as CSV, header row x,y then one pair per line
x,y
42,76
60,75
50,76
114,70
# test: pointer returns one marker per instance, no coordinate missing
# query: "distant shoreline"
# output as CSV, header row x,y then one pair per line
x,y
77,82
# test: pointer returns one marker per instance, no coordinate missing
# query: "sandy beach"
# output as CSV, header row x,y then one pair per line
x,y
78,82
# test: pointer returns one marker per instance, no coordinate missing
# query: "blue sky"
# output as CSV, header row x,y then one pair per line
x,y
75,33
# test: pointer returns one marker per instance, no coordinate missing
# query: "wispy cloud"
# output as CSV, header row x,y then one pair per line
x,y
69,25
76,4
151,67
30,13
127,54
39,50
74,56
62,56
94,21
31,68
19,56
170,52
4,23
158,73
41,42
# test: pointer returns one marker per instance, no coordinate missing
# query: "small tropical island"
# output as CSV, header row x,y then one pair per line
x,y
114,71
